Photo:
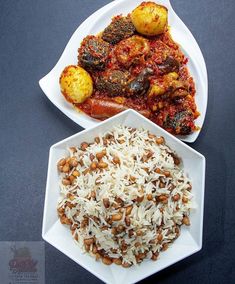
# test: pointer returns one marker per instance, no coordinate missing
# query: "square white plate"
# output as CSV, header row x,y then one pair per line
x,y
58,235
96,23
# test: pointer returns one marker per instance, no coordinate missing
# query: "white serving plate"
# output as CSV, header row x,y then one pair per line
x,y
96,23
58,235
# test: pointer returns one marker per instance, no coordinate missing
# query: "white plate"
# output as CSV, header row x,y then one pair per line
x,y
190,239
96,23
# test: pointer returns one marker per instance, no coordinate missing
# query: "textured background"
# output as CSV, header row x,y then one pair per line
x,y
33,35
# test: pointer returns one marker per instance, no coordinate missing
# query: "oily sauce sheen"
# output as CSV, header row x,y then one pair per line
x,y
146,73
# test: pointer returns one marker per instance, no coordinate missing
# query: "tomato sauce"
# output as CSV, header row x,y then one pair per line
x,y
172,106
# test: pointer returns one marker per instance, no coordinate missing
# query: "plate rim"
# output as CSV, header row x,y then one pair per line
x,y
56,145
91,121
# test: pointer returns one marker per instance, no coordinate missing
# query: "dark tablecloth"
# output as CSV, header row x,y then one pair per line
x,y
33,35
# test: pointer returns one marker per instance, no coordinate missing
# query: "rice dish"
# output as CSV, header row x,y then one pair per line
x,y
124,196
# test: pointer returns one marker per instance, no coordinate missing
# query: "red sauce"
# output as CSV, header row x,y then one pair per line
x,y
162,109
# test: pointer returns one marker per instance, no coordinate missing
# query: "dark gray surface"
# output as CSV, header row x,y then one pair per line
x,y
33,35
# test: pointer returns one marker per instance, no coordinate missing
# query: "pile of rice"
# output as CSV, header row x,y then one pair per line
x,y
124,196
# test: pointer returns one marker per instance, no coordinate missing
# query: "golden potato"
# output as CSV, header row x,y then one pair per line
x,y
149,18
76,84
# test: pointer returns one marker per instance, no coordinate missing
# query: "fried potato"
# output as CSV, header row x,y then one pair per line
x,y
149,18
76,84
